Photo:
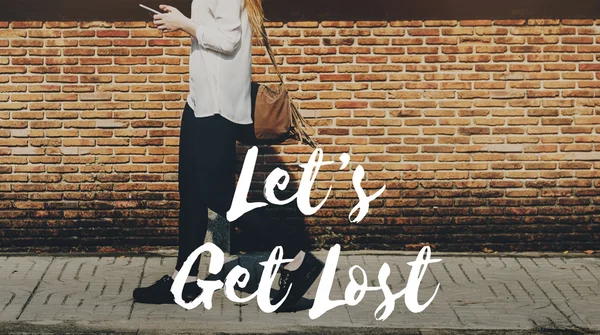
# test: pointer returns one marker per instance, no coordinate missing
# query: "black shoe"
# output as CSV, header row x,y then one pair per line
x,y
300,279
160,292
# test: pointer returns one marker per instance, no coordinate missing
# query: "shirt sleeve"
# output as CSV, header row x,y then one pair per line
x,y
224,33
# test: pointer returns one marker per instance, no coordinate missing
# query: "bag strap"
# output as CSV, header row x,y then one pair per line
x,y
265,40
299,125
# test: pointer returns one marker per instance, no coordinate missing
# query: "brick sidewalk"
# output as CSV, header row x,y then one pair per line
x,y
477,292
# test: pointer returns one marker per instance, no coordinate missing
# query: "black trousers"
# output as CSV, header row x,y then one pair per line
x,y
207,164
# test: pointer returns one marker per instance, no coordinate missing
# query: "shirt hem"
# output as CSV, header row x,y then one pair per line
x,y
190,102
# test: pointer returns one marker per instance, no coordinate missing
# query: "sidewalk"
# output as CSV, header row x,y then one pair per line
x,y
478,292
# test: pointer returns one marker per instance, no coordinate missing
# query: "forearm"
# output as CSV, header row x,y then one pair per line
x,y
221,39
189,27
219,32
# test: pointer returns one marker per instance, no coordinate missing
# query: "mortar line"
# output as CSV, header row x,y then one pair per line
x,y
35,288
550,299
139,285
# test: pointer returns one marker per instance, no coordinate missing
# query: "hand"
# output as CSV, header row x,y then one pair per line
x,y
172,20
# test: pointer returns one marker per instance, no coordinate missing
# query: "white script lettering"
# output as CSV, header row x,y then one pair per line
x,y
354,292
280,179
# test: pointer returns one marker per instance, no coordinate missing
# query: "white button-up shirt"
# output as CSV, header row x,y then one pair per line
x,y
221,60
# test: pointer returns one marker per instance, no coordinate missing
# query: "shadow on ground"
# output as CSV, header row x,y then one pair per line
x,y
71,328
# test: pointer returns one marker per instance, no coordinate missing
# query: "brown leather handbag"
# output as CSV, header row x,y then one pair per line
x,y
274,115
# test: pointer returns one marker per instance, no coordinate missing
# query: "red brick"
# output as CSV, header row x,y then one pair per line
x,y
488,120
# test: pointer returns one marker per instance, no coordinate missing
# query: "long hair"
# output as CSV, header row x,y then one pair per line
x,y
256,16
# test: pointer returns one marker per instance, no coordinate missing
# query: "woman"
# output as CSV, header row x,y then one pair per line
x,y
218,105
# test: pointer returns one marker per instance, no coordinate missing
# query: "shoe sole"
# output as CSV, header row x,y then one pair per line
x,y
139,300
316,268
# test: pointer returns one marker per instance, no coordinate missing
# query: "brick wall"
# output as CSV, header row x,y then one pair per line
x,y
485,132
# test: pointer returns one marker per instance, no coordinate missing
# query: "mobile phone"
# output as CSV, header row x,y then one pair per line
x,y
150,9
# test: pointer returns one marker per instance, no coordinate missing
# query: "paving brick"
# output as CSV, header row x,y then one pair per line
x,y
476,292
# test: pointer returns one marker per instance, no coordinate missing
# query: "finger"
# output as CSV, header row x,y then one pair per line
x,y
166,8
